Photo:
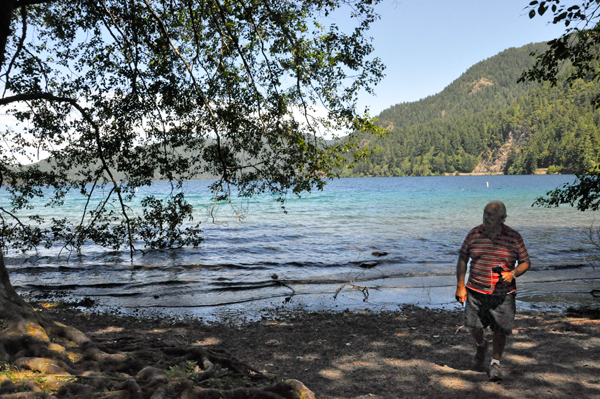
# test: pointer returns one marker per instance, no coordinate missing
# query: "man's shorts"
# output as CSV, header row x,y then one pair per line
x,y
495,311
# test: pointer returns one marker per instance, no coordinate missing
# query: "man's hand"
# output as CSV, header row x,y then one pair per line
x,y
507,277
461,270
461,294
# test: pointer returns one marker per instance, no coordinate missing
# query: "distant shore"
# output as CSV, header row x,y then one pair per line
x,y
539,171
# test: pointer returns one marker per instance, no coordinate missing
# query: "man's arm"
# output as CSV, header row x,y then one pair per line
x,y
518,271
461,272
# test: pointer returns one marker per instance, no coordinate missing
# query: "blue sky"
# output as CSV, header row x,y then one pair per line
x,y
427,44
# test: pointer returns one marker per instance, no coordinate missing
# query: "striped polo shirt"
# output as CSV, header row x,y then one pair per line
x,y
504,250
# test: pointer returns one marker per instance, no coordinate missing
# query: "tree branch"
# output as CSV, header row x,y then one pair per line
x,y
19,48
101,157
240,51
89,198
196,86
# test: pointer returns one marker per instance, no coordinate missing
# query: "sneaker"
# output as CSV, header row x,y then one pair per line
x,y
479,357
495,372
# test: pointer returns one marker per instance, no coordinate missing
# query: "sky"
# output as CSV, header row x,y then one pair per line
x,y
427,44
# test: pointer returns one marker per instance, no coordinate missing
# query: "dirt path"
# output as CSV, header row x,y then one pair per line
x,y
412,353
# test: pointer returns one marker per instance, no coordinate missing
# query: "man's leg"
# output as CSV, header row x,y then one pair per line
x,y
499,344
504,316
495,372
482,345
477,334
474,322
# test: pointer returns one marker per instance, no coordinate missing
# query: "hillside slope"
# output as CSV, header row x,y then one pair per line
x,y
486,122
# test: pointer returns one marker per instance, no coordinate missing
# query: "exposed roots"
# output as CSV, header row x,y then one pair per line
x,y
42,358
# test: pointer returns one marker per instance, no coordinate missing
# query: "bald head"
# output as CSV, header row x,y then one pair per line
x,y
497,206
494,215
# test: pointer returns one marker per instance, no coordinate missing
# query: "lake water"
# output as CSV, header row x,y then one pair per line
x,y
316,249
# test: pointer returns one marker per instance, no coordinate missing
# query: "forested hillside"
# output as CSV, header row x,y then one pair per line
x,y
486,122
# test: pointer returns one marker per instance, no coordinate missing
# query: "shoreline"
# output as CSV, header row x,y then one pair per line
x,y
538,291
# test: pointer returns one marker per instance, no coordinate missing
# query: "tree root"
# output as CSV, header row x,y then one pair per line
x,y
41,358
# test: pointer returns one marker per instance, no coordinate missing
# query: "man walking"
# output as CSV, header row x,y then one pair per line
x,y
498,256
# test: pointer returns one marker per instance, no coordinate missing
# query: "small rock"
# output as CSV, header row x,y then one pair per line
x,y
368,265
379,253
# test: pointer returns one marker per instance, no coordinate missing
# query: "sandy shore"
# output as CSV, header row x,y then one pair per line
x,y
409,353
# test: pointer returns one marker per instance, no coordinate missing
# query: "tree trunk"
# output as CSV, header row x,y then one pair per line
x,y
7,7
26,333
7,292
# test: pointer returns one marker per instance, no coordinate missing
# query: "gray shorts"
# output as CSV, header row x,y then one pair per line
x,y
495,311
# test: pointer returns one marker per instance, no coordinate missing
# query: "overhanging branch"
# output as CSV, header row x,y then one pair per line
x,y
88,118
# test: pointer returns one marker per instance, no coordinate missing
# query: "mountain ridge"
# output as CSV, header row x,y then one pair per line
x,y
486,122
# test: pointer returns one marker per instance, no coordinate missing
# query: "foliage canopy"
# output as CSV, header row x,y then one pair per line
x,y
578,46
123,92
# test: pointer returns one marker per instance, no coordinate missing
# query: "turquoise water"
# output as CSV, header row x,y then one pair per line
x,y
318,245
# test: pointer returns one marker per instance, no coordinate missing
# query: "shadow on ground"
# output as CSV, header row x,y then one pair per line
x,y
416,353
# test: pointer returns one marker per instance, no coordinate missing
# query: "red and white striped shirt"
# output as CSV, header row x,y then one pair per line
x,y
504,250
